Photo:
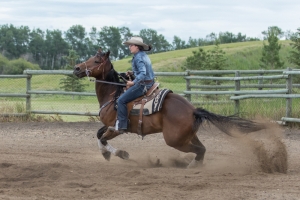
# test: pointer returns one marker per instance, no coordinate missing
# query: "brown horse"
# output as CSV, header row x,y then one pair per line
x,y
178,119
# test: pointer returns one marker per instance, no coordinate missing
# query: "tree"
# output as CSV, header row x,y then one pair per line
x,y
294,56
210,60
273,30
289,35
125,35
240,37
158,42
226,37
198,61
77,40
56,47
110,39
13,40
37,45
211,38
3,63
217,59
178,43
71,83
270,53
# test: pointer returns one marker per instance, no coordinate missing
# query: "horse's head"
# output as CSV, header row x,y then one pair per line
x,y
96,66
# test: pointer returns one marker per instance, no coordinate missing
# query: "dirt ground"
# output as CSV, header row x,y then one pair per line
x,y
57,160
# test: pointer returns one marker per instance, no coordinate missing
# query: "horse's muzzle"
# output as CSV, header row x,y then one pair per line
x,y
78,72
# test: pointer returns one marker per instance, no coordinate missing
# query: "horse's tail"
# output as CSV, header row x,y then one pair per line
x,y
225,123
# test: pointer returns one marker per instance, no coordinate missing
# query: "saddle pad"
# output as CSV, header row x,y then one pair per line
x,y
152,106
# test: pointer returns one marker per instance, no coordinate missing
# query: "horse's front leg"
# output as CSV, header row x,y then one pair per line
x,y
106,148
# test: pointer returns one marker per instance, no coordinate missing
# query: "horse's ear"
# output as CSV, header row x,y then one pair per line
x,y
107,54
99,50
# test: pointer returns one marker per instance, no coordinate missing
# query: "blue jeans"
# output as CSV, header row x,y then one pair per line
x,y
131,94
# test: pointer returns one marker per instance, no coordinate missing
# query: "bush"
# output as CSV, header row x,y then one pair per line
x,y
18,66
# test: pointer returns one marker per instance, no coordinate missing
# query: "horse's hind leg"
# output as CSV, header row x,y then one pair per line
x,y
200,153
194,146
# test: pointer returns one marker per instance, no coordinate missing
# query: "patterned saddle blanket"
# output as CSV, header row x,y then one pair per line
x,y
153,103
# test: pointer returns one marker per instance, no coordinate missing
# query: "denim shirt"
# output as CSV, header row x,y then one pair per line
x,y
142,68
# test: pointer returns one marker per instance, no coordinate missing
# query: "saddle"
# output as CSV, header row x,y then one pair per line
x,y
147,104
141,101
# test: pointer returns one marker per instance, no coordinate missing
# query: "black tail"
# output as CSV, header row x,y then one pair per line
x,y
226,123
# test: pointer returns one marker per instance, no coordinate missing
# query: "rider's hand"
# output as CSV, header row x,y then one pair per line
x,y
129,84
128,73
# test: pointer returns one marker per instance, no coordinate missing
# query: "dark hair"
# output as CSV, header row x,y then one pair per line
x,y
142,48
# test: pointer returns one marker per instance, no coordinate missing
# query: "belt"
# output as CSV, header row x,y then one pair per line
x,y
148,81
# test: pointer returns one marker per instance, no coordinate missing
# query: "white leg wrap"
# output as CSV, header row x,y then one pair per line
x,y
101,147
117,125
111,149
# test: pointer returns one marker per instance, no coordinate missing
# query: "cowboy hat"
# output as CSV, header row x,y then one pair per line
x,y
137,41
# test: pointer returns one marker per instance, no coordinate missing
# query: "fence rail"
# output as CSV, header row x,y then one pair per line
x,y
235,90
239,94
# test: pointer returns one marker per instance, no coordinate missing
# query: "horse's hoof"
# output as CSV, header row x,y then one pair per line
x,y
106,155
195,164
122,154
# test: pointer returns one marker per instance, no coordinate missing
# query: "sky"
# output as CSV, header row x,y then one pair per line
x,y
184,18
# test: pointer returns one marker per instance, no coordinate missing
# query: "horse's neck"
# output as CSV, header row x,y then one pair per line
x,y
104,92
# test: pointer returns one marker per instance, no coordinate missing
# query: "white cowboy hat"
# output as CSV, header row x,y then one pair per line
x,y
137,41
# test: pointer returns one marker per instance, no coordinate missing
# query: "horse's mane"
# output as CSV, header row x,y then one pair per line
x,y
113,76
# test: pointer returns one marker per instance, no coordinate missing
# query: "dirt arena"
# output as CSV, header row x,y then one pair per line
x,y
57,160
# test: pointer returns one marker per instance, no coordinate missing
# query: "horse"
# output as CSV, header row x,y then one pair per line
x,y
178,120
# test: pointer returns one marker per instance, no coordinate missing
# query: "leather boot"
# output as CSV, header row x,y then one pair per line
x,y
120,131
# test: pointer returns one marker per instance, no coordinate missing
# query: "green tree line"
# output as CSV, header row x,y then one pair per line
x,y
47,48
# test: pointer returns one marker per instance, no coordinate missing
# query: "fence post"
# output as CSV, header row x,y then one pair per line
x,y
260,81
237,88
28,88
188,83
289,86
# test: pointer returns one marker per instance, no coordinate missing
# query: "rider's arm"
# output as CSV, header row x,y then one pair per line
x,y
140,70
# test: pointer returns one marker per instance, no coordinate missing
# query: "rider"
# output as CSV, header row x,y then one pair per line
x,y
144,79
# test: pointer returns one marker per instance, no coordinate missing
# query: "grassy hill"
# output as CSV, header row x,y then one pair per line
x,y
242,55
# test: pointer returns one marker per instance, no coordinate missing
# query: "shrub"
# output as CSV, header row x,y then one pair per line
x,y
18,66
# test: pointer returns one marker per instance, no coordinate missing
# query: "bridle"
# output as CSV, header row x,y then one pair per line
x,y
101,63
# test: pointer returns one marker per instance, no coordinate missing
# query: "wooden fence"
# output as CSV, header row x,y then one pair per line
x,y
235,90
256,92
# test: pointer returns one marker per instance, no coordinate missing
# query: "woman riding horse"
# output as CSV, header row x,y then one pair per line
x,y
177,119
144,79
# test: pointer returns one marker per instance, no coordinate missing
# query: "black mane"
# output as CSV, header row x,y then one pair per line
x,y
113,76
